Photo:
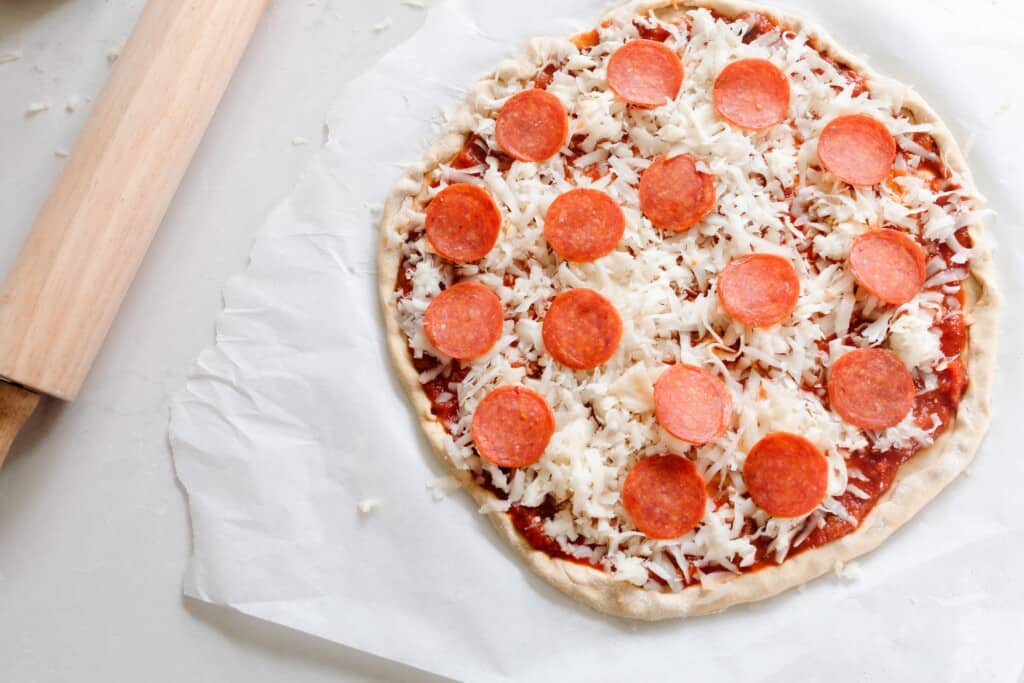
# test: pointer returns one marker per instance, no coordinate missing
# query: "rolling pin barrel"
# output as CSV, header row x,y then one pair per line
x,y
91,234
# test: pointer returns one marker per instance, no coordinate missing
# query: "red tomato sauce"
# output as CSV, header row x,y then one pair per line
x,y
546,76
529,522
651,32
443,390
472,154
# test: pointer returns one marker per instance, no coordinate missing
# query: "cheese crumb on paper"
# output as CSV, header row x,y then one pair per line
x,y
848,571
368,505
442,486
114,52
73,102
299,141
61,153
36,107
382,25
12,56
417,4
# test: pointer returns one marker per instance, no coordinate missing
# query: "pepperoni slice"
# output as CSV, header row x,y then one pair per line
x,y
759,290
692,404
871,388
665,496
532,125
786,475
512,426
889,264
584,225
752,94
674,195
581,329
464,321
463,223
857,149
645,73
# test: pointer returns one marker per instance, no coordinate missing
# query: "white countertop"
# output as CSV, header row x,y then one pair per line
x,y
93,529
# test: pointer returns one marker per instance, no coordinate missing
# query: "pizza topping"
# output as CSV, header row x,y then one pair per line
x,y
463,223
691,404
645,73
512,426
752,93
532,126
759,290
651,30
889,264
858,149
786,475
757,25
472,155
464,321
584,225
582,329
674,195
871,388
586,40
665,496
773,196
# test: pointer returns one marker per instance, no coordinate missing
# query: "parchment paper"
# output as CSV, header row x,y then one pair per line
x,y
294,417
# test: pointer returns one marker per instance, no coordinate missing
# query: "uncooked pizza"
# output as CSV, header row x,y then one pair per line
x,y
695,304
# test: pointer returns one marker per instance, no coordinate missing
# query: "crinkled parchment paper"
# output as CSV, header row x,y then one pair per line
x,y
293,417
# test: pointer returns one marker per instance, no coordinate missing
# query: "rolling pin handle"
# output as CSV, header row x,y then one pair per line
x,y
16,406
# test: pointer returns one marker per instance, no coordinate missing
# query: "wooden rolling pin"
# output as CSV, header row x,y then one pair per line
x,y
92,232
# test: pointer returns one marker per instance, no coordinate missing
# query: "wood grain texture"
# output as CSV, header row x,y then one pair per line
x,y
16,406
91,234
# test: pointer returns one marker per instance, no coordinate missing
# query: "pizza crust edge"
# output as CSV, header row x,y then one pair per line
x,y
918,481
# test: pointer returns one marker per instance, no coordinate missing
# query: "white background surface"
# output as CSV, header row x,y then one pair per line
x,y
93,534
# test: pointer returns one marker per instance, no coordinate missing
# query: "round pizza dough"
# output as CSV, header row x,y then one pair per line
x,y
918,480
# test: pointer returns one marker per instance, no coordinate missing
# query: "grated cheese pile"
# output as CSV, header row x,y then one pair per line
x,y
772,197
